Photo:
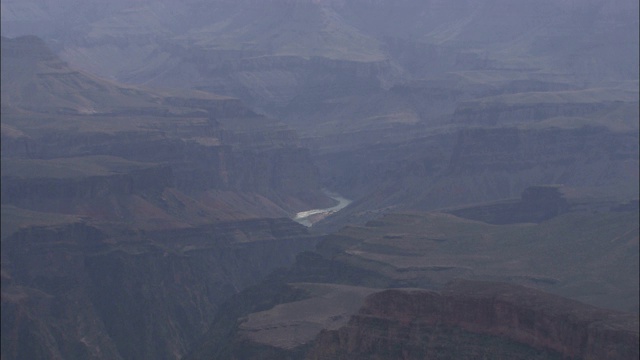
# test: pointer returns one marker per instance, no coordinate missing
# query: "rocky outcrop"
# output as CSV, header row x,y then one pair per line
x,y
29,192
538,203
467,320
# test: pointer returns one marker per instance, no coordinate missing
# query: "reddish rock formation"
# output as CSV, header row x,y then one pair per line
x,y
471,319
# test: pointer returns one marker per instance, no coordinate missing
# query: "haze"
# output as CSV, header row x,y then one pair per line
x,y
320,179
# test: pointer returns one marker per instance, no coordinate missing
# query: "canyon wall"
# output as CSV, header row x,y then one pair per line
x,y
77,291
468,320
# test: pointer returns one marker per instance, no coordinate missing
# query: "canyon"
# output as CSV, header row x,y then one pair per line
x,y
171,171
151,191
520,275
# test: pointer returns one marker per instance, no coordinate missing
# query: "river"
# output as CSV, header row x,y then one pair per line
x,y
309,217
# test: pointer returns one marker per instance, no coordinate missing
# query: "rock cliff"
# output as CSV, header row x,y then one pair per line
x,y
85,290
22,187
468,320
207,141
475,165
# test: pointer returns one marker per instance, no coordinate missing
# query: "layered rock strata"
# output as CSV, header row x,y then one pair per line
x,y
468,320
81,291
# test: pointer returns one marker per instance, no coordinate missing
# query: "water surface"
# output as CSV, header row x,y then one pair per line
x,y
309,217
